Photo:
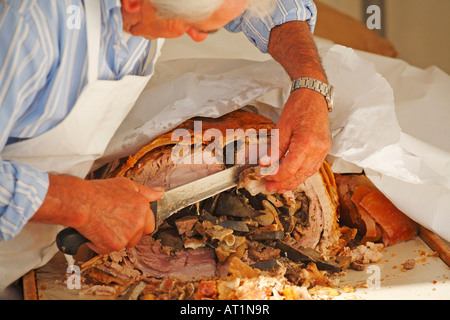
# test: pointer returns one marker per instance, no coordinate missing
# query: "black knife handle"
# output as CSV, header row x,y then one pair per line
x,y
69,240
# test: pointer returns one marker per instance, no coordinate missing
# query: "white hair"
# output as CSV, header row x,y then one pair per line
x,y
197,10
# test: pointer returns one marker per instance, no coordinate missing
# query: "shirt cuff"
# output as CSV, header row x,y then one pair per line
x,y
258,30
22,192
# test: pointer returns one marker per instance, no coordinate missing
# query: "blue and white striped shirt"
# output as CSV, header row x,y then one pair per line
x,y
43,69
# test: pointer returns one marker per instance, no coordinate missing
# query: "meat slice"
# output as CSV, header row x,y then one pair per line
x,y
321,229
185,265
157,169
311,234
153,164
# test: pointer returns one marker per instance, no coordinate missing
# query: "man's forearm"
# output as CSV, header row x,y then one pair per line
x,y
64,201
291,44
303,123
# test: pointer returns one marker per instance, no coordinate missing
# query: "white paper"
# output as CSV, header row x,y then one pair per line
x,y
364,109
370,115
412,173
427,203
422,102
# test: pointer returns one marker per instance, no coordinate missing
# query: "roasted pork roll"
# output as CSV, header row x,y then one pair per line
x,y
275,235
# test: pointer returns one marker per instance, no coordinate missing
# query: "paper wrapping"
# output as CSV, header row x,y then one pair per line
x,y
370,107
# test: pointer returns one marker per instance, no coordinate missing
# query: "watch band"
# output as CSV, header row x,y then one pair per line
x,y
319,86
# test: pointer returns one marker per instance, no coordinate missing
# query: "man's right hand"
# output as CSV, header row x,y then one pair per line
x,y
112,213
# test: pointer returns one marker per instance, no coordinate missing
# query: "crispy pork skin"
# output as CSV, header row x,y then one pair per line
x,y
364,207
372,231
395,225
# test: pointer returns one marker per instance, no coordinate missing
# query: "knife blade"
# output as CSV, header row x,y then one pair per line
x,y
69,239
181,197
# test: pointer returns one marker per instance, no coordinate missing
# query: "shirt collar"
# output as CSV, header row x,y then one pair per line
x,y
107,6
110,4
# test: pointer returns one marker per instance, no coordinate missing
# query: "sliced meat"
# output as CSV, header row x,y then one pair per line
x,y
232,126
157,169
312,232
320,230
185,265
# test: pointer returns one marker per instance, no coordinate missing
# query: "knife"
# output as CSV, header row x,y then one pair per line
x,y
69,239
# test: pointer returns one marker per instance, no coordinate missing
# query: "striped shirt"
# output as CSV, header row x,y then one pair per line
x,y
43,69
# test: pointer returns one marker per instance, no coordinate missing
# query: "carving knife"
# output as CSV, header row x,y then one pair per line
x,y
69,239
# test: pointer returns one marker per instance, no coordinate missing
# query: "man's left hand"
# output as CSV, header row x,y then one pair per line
x,y
304,140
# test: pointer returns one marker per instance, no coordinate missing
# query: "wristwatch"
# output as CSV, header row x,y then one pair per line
x,y
326,89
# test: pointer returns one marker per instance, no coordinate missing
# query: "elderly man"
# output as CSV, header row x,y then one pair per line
x,y
72,69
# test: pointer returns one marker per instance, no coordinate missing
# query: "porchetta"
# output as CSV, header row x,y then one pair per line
x,y
191,254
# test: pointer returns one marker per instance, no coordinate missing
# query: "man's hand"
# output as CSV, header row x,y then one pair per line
x,y
304,131
303,124
120,214
112,213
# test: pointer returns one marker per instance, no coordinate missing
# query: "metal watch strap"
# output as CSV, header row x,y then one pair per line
x,y
319,86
